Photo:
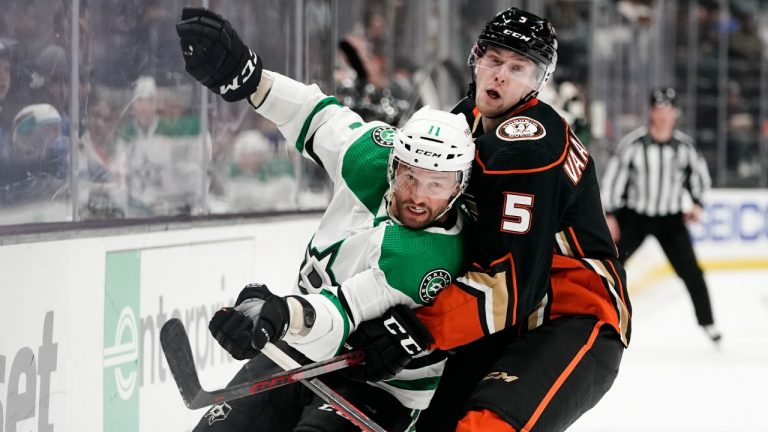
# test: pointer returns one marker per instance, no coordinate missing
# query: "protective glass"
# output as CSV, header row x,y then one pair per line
x,y
423,182
35,144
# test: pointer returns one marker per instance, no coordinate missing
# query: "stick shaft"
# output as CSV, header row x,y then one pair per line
x,y
351,412
178,353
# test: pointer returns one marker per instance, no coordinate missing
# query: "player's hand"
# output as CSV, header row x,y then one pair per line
x,y
257,318
389,343
215,56
694,215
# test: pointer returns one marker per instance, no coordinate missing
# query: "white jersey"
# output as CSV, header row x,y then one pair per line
x,y
360,262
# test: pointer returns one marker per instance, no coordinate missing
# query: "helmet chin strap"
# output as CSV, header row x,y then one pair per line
x,y
388,200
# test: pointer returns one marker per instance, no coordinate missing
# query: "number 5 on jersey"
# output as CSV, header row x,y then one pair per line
x,y
517,213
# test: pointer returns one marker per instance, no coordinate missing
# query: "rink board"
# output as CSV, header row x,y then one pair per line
x,y
79,347
80,317
732,236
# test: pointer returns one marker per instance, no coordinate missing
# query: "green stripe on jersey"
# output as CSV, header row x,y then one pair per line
x,y
330,100
336,302
426,383
364,170
433,261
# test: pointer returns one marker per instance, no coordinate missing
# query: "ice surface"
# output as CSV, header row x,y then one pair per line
x,y
673,379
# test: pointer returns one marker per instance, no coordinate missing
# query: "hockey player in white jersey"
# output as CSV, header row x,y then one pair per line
x,y
388,242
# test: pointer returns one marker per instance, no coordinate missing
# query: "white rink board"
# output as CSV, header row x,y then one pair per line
x,y
733,235
61,376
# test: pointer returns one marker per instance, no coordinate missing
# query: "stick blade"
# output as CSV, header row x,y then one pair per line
x,y
178,353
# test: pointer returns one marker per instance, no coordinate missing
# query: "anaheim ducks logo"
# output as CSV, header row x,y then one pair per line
x,y
384,136
520,128
433,283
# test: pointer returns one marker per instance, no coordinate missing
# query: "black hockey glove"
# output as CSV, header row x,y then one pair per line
x,y
389,343
257,318
215,56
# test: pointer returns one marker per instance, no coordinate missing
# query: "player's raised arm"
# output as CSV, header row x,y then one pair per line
x,y
215,55
315,123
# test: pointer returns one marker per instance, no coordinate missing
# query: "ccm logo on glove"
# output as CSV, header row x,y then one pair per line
x,y
395,328
245,74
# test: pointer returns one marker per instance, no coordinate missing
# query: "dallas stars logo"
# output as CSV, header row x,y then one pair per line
x,y
433,283
383,136
218,412
316,271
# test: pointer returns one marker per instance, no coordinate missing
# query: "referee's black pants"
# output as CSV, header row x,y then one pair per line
x,y
675,241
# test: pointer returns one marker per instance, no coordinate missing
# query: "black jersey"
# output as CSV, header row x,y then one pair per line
x,y
539,247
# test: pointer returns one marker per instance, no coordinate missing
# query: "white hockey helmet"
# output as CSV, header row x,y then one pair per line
x,y
435,140
32,117
35,128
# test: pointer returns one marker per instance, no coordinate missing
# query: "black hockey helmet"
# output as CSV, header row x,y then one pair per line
x,y
663,96
526,34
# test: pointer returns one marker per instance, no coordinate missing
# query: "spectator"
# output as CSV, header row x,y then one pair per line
x,y
5,87
165,166
101,186
258,177
35,167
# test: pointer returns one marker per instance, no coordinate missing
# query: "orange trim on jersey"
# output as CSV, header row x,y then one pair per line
x,y
529,170
577,289
522,171
452,319
495,262
563,376
621,286
576,241
566,262
531,103
483,421
524,107
513,278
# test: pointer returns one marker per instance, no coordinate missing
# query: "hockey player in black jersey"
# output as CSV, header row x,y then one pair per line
x,y
537,337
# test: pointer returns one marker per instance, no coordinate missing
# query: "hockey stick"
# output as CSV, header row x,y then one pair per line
x,y
178,353
337,401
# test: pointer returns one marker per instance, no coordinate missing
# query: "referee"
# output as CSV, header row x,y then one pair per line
x,y
655,170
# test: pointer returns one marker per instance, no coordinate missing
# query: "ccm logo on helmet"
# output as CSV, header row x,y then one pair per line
x,y
428,153
517,35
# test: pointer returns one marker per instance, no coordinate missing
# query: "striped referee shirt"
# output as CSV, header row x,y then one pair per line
x,y
654,179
